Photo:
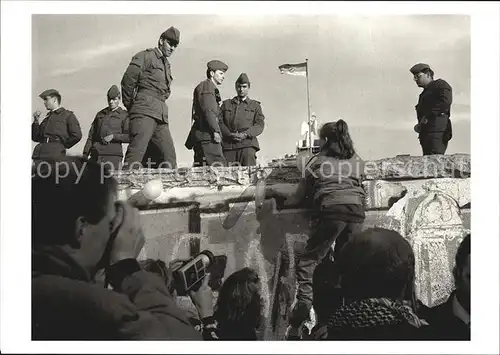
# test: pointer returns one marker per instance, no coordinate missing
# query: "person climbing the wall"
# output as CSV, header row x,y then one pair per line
x,y
331,187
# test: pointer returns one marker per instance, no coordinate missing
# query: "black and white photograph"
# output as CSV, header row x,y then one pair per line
x,y
268,172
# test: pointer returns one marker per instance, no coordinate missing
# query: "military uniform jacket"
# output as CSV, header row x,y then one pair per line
x,y
241,117
434,104
108,122
60,130
146,85
205,111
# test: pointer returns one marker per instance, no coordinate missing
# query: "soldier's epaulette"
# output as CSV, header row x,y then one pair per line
x,y
256,101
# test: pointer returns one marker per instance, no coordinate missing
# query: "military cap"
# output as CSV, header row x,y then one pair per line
x,y
49,92
172,34
243,79
217,65
417,68
113,92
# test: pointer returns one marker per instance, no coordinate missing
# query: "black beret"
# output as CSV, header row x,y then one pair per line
x,y
217,65
49,92
172,34
417,68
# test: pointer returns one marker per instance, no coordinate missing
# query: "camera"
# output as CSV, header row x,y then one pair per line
x,y
189,276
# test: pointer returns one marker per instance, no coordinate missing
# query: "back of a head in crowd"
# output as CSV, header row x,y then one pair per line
x,y
239,306
377,263
326,295
463,253
159,268
63,191
338,140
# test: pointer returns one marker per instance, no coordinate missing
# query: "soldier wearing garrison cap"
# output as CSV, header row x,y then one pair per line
x,y
433,110
242,121
58,131
145,88
107,132
205,134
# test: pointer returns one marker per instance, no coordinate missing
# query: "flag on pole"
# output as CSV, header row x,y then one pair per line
x,y
299,69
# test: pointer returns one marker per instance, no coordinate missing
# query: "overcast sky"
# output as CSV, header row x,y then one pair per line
x,y
358,70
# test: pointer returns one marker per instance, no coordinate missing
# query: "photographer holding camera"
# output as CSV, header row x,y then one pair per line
x,y
78,228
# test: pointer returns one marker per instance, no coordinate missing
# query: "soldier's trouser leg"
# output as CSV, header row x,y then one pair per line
x,y
112,161
199,158
163,141
141,131
247,157
433,143
152,158
213,154
231,157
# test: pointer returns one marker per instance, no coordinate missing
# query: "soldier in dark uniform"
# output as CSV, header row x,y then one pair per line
x,y
59,130
145,87
205,135
433,110
108,131
242,121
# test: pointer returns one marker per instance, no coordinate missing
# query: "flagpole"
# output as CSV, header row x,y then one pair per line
x,y
308,109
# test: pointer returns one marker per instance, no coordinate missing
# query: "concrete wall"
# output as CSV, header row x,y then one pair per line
x,y
220,214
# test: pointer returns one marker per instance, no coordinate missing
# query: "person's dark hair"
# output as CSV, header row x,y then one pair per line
x,y
428,71
376,263
239,307
208,73
338,140
63,191
463,252
158,267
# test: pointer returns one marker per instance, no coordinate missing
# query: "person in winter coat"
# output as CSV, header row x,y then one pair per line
x,y
58,131
145,89
205,138
107,132
78,228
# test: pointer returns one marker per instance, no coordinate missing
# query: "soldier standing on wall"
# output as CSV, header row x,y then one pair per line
x,y
205,135
242,121
433,110
145,87
59,130
108,131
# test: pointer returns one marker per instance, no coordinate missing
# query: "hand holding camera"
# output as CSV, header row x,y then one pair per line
x,y
203,299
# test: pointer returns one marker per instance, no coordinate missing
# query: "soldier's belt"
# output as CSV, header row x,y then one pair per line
x,y
51,140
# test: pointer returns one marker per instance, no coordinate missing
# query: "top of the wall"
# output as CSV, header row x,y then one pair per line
x,y
403,167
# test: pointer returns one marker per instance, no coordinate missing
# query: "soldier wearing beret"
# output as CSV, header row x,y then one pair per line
x,y
205,135
108,131
241,122
145,88
58,131
433,110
